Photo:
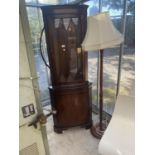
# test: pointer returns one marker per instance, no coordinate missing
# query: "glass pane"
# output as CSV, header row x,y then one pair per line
x,y
72,38
128,61
56,1
111,57
53,2
49,1
36,24
67,51
93,58
93,7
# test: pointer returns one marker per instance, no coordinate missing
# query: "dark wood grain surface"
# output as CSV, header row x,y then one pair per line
x,y
65,28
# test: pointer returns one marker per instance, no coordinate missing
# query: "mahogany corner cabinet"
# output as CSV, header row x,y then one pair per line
x,y
65,28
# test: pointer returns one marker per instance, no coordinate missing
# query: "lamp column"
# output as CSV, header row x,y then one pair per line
x,y
101,89
98,129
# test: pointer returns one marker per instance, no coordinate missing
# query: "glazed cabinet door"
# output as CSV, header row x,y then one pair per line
x,y
65,31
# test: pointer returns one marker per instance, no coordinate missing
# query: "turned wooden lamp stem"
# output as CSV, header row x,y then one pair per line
x,y
101,88
98,129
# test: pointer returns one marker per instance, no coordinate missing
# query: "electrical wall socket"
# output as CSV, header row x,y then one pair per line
x,y
28,110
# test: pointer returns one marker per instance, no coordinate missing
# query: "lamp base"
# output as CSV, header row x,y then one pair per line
x,y
96,132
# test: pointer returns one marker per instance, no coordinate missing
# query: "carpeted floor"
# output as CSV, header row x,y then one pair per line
x,y
74,141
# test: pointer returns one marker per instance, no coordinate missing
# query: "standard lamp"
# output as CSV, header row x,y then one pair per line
x,y
100,34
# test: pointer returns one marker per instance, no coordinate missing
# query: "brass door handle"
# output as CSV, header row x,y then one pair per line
x,y
42,119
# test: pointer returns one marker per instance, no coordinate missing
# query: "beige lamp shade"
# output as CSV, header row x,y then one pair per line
x,y
101,33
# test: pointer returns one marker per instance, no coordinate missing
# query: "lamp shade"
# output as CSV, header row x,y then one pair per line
x,y
101,33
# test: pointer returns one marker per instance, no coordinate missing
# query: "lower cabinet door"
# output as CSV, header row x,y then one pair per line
x,y
73,105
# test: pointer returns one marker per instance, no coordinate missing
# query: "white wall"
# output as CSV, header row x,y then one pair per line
x,y
28,135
